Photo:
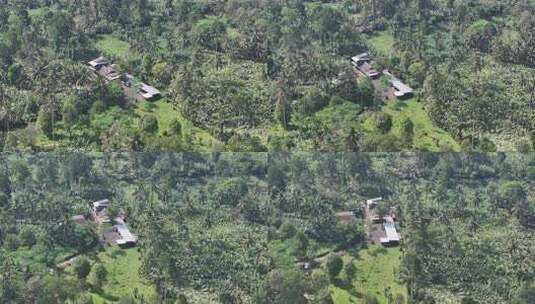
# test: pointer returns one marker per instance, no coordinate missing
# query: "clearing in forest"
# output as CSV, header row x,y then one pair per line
x,y
113,46
377,269
427,136
123,276
166,112
382,41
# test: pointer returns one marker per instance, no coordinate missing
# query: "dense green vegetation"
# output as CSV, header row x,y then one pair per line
x,y
269,75
252,180
262,228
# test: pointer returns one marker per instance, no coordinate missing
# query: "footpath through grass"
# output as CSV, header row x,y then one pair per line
x,y
377,269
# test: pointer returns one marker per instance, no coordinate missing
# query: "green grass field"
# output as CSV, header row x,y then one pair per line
x,y
427,136
113,46
376,270
123,276
382,41
165,113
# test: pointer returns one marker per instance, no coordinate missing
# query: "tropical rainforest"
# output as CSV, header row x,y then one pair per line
x,y
264,228
267,151
267,75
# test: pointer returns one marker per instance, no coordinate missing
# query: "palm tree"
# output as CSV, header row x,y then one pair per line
x,y
282,111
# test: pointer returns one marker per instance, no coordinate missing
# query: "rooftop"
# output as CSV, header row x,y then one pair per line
x,y
374,201
401,88
109,73
148,91
391,232
101,203
124,232
361,57
367,69
99,61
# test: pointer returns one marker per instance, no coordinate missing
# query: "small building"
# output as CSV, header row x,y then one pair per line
x,y
100,206
98,210
363,64
98,63
347,217
103,67
109,73
148,92
127,80
361,58
401,90
392,237
132,89
369,71
79,219
373,202
127,239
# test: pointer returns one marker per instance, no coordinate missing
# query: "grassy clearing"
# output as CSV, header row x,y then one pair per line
x,y
113,46
165,112
427,136
376,270
123,276
382,41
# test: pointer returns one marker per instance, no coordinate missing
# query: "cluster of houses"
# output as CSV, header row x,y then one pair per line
x,y
382,225
363,65
389,236
99,213
120,234
103,67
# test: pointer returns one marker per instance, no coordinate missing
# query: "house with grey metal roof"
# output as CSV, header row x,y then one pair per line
x,y
401,89
148,92
127,239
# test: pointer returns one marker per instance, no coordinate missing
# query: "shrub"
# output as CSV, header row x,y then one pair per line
x,y
383,122
98,107
350,269
175,128
27,237
45,122
149,124
287,230
334,265
82,268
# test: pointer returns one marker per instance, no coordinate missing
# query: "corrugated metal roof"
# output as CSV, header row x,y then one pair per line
x,y
399,85
124,232
391,232
99,61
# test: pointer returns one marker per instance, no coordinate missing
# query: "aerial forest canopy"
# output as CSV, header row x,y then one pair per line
x,y
267,75
267,228
267,151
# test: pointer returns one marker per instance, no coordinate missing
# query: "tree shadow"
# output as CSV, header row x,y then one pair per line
x,y
115,253
398,106
107,297
378,251
347,285
149,107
